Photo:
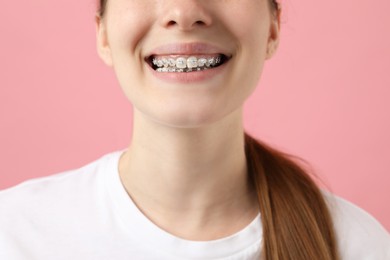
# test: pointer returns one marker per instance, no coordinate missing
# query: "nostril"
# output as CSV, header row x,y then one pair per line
x,y
173,23
170,23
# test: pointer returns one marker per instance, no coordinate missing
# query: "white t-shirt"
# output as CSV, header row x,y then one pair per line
x,y
86,214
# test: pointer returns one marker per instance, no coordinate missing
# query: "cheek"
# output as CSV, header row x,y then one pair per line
x,y
127,30
128,21
246,16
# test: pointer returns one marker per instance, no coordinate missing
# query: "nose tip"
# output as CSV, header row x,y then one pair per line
x,y
185,15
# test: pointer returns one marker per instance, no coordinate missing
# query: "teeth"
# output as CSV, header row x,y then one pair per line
x,y
192,62
210,62
172,62
165,63
202,62
183,64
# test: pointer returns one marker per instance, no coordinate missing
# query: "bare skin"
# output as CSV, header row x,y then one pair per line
x,y
185,167
191,184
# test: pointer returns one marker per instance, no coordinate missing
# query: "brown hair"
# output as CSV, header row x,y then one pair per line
x,y
297,224
296,221
102,7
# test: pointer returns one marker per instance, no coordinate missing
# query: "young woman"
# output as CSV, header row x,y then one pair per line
x,y
192,184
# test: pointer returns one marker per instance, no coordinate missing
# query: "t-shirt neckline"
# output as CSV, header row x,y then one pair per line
x,y
146,232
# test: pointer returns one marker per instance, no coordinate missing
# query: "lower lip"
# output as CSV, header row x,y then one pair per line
x,y
189,77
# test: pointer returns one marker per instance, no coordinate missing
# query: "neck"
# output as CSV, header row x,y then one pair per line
x,y
188,173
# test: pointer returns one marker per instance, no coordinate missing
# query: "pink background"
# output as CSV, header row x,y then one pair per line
x,y
324,97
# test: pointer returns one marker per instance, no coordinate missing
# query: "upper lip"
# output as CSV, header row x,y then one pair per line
x,y
193,48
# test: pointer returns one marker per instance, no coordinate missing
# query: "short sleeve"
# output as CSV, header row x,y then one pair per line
x,y
360,236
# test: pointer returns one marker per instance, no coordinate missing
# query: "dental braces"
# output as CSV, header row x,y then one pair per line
x,y
182,64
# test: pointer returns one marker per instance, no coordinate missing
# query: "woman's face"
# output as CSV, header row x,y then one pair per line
x,y
182,34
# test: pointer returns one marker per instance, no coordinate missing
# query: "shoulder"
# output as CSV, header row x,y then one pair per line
x,y
359,234
43,193
39,213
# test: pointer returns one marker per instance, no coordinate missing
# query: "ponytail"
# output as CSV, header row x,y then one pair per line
x,y
297,224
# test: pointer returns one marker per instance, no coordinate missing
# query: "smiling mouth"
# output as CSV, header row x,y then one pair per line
x,y
186,63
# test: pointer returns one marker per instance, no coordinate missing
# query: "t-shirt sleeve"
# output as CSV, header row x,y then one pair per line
x,y
360,236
